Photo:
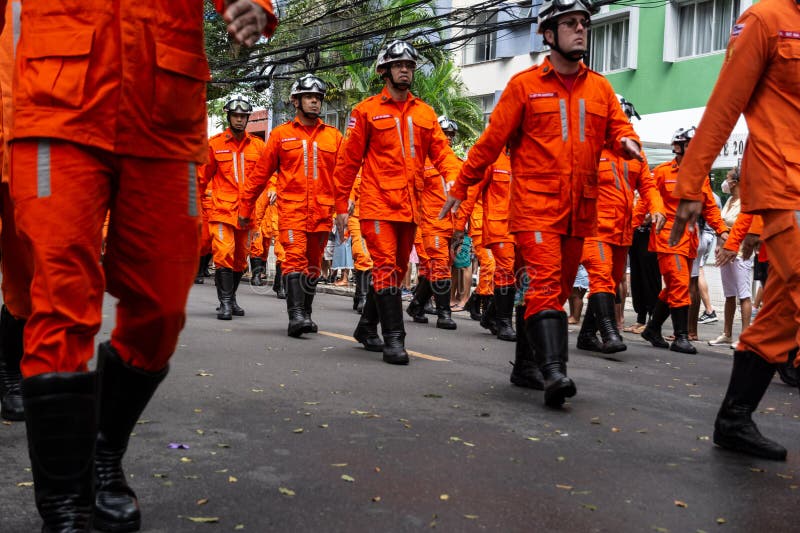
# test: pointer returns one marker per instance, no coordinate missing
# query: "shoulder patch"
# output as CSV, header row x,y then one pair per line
x,y
352,123
737,29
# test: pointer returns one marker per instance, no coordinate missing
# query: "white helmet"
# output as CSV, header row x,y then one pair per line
x,y
628,107
682,135
447,124
308,83
397,50
238,104
552,9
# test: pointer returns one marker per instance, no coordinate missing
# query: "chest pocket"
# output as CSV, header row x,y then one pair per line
x,y
182,74
787,68
294,164
55,67
225,163
544,116
594,120
420,135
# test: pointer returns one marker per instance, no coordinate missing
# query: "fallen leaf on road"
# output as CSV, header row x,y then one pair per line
x,y
660,529
232,479
311,403
201,519
238,527
565,487
186,460
444,497
339,465
298,430
641,431
560,458
679,503
224,470
431,395
721,521
704,437
286,492
223,445
534,439
347,478
200,432
159,475
615,430
256,390
198,410
455,439
202,501
784,476
589,506
204,373
376,498
323,426
756,469
191,477
470,516
143,421
469,444
595,420
25,484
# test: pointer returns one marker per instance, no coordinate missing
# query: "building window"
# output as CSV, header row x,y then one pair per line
x,y
486,103
482,47
698,27
609,46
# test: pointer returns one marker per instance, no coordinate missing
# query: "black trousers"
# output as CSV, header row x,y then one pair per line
x,y
645,275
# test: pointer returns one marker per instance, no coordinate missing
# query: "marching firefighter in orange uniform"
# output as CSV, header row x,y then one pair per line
x,y
303,153
362,262
494,192
232,156
109,113
556,118
205,236
434,278
606,254
16,263
758,78
675,262
265,235
389,137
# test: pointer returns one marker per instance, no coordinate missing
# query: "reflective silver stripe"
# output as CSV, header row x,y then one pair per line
x,y
602,251
400,136
582,118
616,176
489,253
537,236
305,157
192,190
242,167
436,241
797,218
16,12
625,174
444,185
43,183
315,160
235,168
220,231
291,232
377,227
564,126
411,137
678,262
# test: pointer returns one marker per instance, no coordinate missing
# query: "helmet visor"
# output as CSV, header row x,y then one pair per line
x,y
239,106
401,50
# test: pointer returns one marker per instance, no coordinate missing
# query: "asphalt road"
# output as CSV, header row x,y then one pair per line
x,y
317,434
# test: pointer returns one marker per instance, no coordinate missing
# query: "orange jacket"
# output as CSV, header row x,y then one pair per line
x,y
391,140
666,177
129,79
616,181
354,194
555,137
432,196
7,44
745,223
494,191
759,78
304,159
230,162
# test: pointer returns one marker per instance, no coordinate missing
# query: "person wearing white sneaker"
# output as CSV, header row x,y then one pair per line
x,y
722,340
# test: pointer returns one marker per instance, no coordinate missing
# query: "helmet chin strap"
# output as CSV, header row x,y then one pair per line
x,y
306,114
574,56
235,129
398,86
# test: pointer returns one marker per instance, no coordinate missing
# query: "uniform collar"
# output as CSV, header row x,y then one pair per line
x,y
296,122
548,69
230,138
387,98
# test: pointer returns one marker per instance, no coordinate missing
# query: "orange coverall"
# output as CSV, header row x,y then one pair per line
x,y
436,234
266,228
16,263
230,163
759,79
606,254
389,142
556,137
205,209
675,262
304,159
109,113
361,258
471,210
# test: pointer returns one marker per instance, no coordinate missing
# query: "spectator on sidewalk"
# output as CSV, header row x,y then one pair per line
x,y
645,274
579,288
699,285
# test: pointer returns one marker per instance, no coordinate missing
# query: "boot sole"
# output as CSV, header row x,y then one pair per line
x,y
223,317
614,348
295,334
654,341
736,445
369,347
446,326
116,527
589,347
420,320
674,348
396,360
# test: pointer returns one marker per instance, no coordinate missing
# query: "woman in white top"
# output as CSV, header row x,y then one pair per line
x,y
737,276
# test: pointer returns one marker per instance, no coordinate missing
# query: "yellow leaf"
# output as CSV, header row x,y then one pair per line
x,y
469,444
204,373
376,498
223,445
721,521
25,484
560,458
615,430
784,476
203,519
323,426
347,478
339,465
565,487
202,501
756,469
455,439
470,516
444,497
534,439
285,491
311,403
679,503
589,506
198,410
238,527
200,431
159,475
186,460
298,430
232,479
256,390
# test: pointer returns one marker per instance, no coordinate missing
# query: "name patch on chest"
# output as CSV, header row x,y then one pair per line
x,y
534,96
789,34
378,117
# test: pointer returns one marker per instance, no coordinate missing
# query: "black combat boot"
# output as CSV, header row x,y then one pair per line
x,y
441,295
474,306
680,321
587,336
367,329
277,283
390,309
61,421
547,334
734,428
207,261
525,371
123,393
235,309
225,281
422,296
11,407
489,316
606,319
652,333
503,309
295,305
309,290
358,274
199,278
259,266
